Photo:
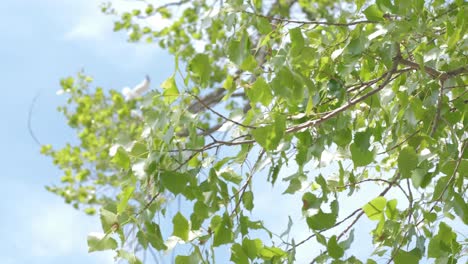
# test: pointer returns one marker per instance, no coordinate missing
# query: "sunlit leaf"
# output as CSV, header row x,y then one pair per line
x,y
374,209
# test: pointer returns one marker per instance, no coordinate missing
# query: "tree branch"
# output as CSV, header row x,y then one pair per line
x,y
351,103
312,22
323,230
219,114
379,180
431,71
210,99
247,182
148,204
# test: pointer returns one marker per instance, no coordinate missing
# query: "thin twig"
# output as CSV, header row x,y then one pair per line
x,y
455,86
351,225
247,182
460,96
397,177
219,114
455,170
284,20
149,203
379,180
357,86
399,144
323,230
210,99
173,4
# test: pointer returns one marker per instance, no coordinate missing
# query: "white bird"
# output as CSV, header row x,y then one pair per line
x,y
138,90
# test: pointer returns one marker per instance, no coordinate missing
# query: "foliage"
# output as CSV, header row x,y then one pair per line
x,y
266,84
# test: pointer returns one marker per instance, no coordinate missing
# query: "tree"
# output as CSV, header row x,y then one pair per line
x,y
261,86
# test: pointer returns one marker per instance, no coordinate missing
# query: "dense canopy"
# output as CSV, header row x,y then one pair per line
x,y
350,95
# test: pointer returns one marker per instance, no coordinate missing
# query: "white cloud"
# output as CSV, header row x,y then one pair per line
x,y
92,29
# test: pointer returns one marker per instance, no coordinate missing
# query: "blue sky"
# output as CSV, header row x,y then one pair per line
x,y
41,42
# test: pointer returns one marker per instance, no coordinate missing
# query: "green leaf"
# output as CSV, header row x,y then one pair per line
x,y
404,257
130,257
260,92
142,239
193,258
334,250
239,50
321,238
460,207
100,242
359,4
200,213
67,83
309,200
343,137
374,209
230,175
247,200
407,161
362,140
323,220
263,25
249,64
294,186
252,247
90,210
361,157
297,41
238,255
303,154
346,244
269,253
420,178
270,136
223,233
356,46
391,211
174,181
153,235
170,90
126,194
336,89
201,67
181,226
387,6
121,159
373,13
108,220
246,224
444,243
440,188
